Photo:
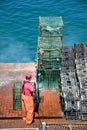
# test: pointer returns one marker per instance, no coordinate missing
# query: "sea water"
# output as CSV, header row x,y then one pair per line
x,y
19,26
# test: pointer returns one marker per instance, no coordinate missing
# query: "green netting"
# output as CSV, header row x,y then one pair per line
x,y
49,42
54,21
49,64
50,26
16,96
45,31
48,79
49,54
36,97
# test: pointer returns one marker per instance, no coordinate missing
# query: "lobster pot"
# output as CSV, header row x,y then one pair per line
x,y
67,69
49,54
67,64
17,96
67,61
36,97
84,110
85,49
81,65
50,26
72,114
49,64
71,110
67,56
80,51
79,47
49,43
84,116
49,79
81,61
80,55
67,50
83,87
69,84
66,88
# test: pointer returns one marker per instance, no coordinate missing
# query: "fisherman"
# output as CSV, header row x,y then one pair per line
x,y
27,99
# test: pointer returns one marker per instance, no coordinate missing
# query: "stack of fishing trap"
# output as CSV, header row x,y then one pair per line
x,y
81,70
17,96
69,87
50,26
49,52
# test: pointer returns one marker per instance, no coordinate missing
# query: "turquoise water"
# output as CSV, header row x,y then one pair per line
x,y
19,25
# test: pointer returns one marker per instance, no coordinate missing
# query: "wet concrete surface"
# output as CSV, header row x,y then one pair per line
x,y
49,108
10,72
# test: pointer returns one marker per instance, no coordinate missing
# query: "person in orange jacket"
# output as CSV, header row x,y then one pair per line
x,y
27,99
